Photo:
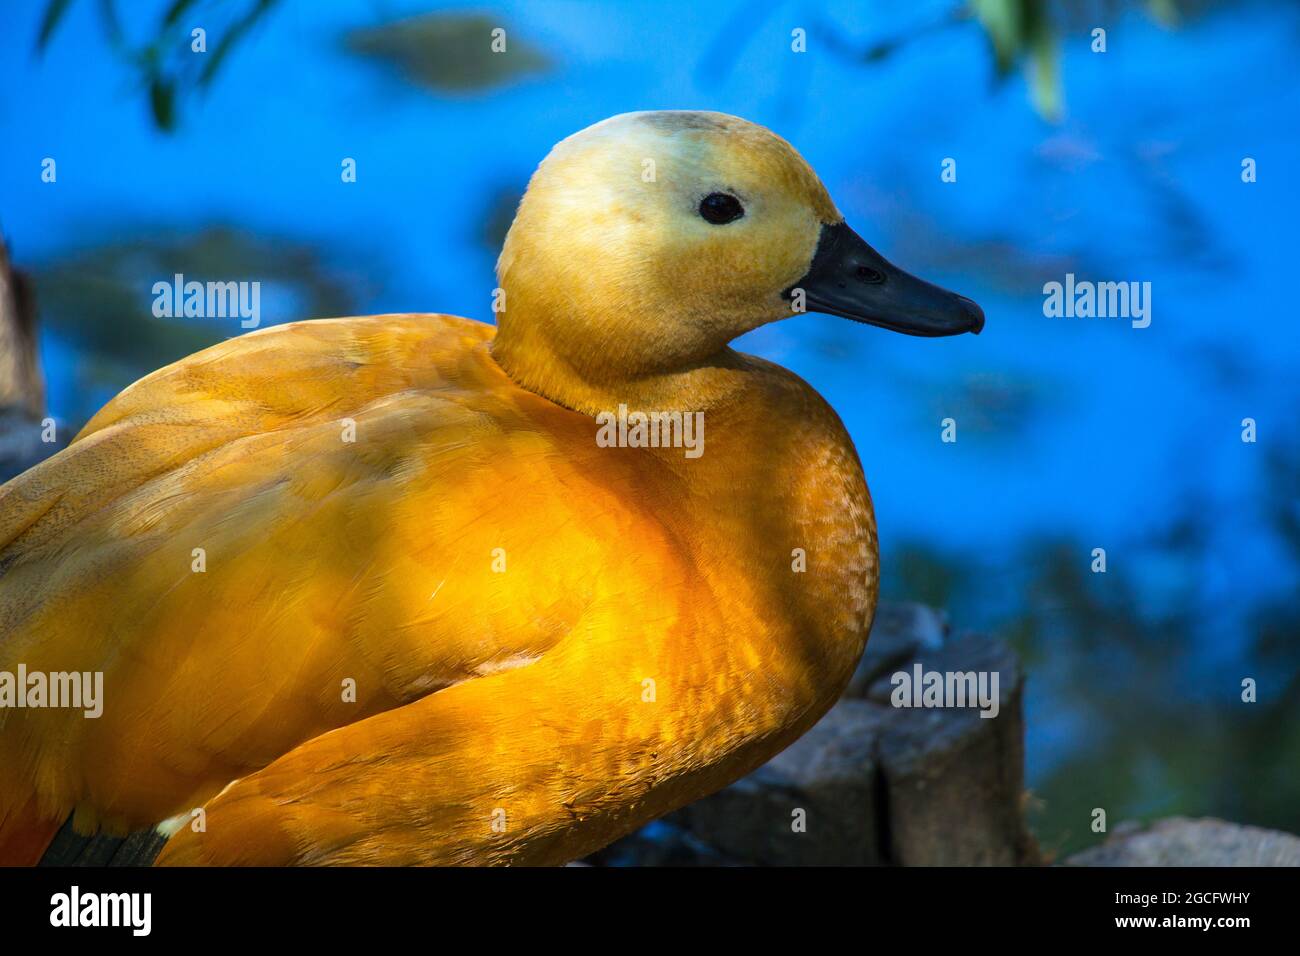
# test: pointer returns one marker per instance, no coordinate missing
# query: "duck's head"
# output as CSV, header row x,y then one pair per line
x,y
647,242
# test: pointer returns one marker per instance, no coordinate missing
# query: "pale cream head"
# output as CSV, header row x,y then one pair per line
x,y
610,266
647,242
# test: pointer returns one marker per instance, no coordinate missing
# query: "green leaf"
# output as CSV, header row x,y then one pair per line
x,y
1045,77
162,100
1001,21
54,12
238,30
113,26
175,11
1021,32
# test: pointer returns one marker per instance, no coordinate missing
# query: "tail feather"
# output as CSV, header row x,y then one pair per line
x,y
25,834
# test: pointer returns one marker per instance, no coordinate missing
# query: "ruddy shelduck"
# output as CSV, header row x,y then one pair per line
x,y
371,590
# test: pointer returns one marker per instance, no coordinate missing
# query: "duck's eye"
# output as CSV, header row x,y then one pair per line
x,y
721,208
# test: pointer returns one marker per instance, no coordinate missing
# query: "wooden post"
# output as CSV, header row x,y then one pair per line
x,y
21,384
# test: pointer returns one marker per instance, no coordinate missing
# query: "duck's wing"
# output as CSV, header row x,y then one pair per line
x,y
510,769
283,534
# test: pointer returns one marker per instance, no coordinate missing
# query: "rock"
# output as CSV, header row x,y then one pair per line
x,y
899,633
953,781
812,804
1179,841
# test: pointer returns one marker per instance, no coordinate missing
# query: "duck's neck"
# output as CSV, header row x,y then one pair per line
x,y
641,375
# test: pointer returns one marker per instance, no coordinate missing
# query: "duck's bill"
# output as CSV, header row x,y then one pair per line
x,y
850,279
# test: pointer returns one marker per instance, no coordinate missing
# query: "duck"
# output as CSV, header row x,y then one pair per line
x,y
370,591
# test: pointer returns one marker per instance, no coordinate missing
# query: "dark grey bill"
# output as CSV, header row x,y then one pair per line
x,y
850,279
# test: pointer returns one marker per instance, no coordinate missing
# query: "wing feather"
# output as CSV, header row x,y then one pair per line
x,y
216,546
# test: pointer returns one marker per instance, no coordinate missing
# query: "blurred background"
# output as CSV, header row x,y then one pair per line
x,y
1073,434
